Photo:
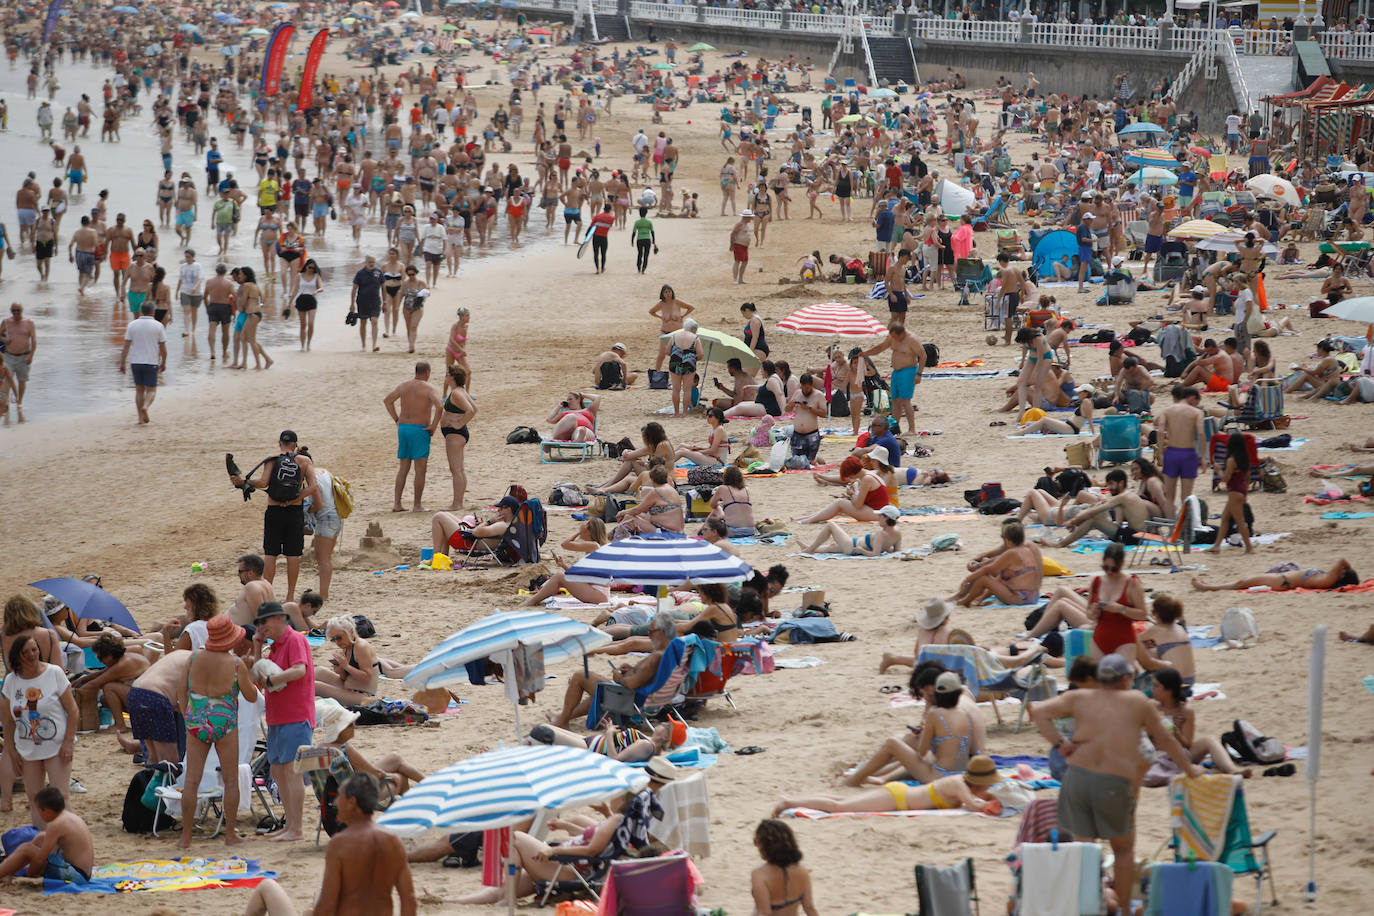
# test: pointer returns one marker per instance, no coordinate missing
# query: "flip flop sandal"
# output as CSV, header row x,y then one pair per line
x,y
1285,769
751,749
998,423
890,688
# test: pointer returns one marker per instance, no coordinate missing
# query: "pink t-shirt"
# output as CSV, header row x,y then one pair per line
x,y
962,241
296,701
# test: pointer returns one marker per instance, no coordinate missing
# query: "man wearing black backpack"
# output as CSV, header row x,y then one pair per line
x,y
288,479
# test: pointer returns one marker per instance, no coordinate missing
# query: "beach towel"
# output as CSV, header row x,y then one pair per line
x,y
1200,637
1052,435
937,511
936,375
1199,810
803,630
1189,887
994,604
1347,515
762,539
686,821
954,478
813,814
798,661
1098,546
1366,586
1047,869
149,875
911,553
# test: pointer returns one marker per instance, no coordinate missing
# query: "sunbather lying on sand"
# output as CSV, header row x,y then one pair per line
x,y
1337,576
884,539
966,790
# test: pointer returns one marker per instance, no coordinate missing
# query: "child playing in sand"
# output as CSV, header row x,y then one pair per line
x,y
64,851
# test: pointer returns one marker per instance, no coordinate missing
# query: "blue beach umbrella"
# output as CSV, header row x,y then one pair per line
x,y
660,559
124,9
503,787
561,638
88,601
1153,175
1141,127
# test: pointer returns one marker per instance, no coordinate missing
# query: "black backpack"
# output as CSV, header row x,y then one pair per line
x,y
284,483
932,355
1072,481
136,816
522,435
1248,745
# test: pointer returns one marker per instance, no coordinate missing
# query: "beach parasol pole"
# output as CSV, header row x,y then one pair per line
x,y
1315,675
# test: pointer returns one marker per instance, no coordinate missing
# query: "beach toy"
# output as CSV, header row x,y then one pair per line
x,y
426,554
441,561
402,566
199,566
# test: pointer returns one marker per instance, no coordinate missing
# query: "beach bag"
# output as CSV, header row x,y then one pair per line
x,y
566,494
391,712
467,850
999,506
522,435
1271,478
615,504
616,449
932,355
284,483
1248,745
839,404
343,496
364,626
1136,400
991,491
1238,625
1079,454
1072,481
658,379
778,455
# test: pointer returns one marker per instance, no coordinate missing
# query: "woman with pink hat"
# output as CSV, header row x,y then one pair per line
x,y
215,677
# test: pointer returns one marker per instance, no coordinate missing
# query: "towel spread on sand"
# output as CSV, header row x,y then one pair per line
x,y
147,875
1347,515
1292,446
911,553
937,375
762,539
1052,435
1098,546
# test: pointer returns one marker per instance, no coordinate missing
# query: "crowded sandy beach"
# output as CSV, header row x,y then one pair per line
x,y
919,389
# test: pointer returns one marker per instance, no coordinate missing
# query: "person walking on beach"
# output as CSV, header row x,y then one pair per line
x,y
20,337
365,300
601,237
290,699
145,343
81,252
415,408
1097,800
190,290
908,362
120,239
739,245
288,479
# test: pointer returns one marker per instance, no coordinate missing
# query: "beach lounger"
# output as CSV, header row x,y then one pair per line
x,y
519,545
946,890
990,680
626,706
1210,824
709,685
556,450
583,877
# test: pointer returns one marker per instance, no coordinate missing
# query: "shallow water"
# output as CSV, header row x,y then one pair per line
x,y
76,366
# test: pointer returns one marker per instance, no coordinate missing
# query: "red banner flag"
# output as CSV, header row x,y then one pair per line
x,y
274,58
312,64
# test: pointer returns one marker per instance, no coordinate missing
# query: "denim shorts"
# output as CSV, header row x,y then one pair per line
x,y
284,740
325,524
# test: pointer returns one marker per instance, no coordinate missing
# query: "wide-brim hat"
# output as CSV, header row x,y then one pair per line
x,y
222,634
660,770
982,772
333,719
933,613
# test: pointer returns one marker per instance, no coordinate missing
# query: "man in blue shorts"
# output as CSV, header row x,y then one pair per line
x,y
415,407
1085,237
908,362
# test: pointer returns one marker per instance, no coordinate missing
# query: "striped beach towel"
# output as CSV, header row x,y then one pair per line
x,y
1200,810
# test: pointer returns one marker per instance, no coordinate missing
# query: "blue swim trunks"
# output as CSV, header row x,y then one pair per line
x,y
135,300
903,383
185,217
412,442
320,210
59,869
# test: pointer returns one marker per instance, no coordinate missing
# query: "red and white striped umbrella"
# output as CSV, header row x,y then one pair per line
x,y
832,319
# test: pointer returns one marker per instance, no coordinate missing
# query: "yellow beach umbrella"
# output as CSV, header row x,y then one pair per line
x,y
1196,229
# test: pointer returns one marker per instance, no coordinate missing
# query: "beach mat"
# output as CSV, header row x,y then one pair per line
x,y
1052,435
1347,515
150,875
1366,586
911,553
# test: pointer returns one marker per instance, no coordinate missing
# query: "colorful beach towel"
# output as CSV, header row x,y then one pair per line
x,y
1347,515
1199,810
911,553
149,875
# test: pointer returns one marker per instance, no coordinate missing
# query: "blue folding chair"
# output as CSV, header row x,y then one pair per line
x,y
1120,438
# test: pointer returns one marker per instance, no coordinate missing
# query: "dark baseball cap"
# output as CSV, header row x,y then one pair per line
x,y
288,435
508,502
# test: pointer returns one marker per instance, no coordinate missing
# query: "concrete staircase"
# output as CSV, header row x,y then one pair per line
x,y
609,25
1265,76
892,60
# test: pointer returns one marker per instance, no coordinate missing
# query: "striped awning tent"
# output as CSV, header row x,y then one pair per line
x,y
1158,158
832,319
560,638
659,559
503,787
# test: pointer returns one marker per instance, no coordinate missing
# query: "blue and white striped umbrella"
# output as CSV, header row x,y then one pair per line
x,y
659,559
1141,127
506,786
560,637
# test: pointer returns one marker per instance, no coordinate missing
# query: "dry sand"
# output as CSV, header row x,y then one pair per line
x,y
139,505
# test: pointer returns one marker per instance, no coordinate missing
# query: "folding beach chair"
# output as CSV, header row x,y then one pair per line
x,y
1046,873
209,797
328,768
710,686
1120,438
1261,409
582,876
990,680
659,886
946,890
1209,822
555,450
1218,451
1174,535
519,544
626,706
1176,889
971,275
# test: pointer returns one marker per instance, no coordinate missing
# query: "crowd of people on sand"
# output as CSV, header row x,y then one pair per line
x,y
208,679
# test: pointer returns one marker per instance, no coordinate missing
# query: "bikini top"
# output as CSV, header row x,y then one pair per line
x,y
936,741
